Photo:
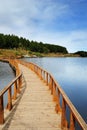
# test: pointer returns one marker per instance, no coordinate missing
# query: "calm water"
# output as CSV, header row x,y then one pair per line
x,y
71,74
6,76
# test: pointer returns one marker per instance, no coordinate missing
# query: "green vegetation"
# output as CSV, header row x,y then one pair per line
x,y
12,53
14,42
14,46
81,53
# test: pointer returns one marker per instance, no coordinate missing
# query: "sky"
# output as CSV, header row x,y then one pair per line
x,y
59,22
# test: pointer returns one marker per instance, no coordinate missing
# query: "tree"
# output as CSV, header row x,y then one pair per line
x,y
12,41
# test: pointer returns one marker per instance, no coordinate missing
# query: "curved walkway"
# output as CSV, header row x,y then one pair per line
x,y
36,109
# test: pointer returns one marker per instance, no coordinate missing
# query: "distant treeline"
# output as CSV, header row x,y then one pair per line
x,y
81,53
12,41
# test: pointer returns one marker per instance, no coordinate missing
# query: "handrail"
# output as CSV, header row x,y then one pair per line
x,y
57,93
10,84
15,84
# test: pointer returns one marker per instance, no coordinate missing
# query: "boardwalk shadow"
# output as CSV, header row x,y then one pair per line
x,y
10,114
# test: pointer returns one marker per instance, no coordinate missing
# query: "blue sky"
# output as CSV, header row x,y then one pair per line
x,y
60,22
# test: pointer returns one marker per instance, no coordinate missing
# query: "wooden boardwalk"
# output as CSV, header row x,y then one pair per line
x,y
32,102
36,109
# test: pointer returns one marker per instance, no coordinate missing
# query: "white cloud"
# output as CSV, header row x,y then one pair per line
x,y
28,15
31,19
44,10
73,40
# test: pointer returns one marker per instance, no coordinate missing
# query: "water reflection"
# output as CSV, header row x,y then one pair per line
x,y
71,75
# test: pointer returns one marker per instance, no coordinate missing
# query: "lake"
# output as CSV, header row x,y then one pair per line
x,y
71,74
6,76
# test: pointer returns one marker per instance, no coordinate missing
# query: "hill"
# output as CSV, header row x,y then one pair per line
x,y
15,42
81,53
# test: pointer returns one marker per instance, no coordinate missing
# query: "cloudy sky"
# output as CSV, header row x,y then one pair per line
x,y
61,22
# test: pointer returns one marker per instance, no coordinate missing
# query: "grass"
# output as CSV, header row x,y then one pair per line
x,y
19,53
12,53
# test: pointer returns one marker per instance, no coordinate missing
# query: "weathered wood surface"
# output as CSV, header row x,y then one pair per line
x,y
36,109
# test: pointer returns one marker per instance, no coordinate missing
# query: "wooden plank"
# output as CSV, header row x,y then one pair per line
x,y
36,110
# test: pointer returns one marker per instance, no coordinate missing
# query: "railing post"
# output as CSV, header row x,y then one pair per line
x,y
51,86
1,110
50,83
9,105
54,92
32,67
37,70
18,85
72,122
15,90
20,81
64,123
46,78
58,107
41,74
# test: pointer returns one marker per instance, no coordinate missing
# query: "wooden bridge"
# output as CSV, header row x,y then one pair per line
x,y
36,102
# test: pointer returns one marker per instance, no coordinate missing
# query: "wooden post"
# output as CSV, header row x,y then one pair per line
x,y
41,74
50,83
18,86
9,105
46,78
20,81
54,92
51,86
72,122
63,118
1,110
35,69
38,72
15,90
32,67
58,107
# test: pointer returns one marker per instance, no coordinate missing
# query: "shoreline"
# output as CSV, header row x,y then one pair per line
x,y
18,53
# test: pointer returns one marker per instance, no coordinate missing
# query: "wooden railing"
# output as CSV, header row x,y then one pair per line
x,y
59,94
15,85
